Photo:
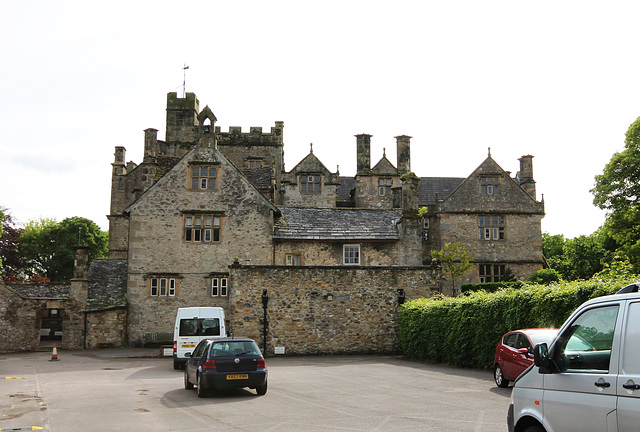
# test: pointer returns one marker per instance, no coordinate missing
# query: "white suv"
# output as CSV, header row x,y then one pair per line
x,y
589,378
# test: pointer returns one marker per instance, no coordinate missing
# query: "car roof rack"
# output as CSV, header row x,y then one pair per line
x,y
633,288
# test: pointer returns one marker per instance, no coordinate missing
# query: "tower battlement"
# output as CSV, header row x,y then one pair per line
x,y
190,101
255,135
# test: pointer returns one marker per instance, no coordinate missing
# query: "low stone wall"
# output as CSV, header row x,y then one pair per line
x,y
20,322
325,310
107,328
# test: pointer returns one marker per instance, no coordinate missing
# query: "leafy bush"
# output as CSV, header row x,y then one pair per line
x,y
544,277
464,331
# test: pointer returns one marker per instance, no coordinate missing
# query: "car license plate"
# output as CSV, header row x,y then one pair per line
x,y
237,376
188,346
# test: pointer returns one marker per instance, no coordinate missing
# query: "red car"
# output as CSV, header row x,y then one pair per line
x,y
514,353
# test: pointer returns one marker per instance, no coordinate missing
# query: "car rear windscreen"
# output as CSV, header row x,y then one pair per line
x,y
200,327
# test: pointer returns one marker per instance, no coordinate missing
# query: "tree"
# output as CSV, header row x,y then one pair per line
x,y
552,245
11,262
618,187
581,257
617,190
454,259
48,246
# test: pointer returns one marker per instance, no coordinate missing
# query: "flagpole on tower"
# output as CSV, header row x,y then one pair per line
x,y
184,80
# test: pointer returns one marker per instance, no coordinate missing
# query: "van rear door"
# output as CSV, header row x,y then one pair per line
x,y
629,378
193,330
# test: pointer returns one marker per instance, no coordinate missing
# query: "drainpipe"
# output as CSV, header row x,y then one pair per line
x,y
265,302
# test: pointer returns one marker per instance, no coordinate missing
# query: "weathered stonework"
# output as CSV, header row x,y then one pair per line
x,y
325,310
20,318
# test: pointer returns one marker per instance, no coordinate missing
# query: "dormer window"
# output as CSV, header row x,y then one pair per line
x,y
489,185
254,163
309,183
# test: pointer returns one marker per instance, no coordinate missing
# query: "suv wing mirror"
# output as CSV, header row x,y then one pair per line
x,y
541,358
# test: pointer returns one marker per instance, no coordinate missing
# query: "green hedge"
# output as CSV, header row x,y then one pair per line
x,y
463,331
490,286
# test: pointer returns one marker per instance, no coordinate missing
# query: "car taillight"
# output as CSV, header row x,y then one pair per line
x,y
175,346
261,362
209,364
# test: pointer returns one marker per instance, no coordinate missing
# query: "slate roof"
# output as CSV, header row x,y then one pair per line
x,y
107,284
430,186
50,291
260,177
336,224
347,184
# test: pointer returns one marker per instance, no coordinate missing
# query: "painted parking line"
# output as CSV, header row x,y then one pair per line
x,y
22,428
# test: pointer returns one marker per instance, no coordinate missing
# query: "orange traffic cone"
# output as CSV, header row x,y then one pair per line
x,y
54,354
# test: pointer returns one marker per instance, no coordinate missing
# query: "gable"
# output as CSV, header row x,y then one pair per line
x,y
311,164
232,186
478,193
384,167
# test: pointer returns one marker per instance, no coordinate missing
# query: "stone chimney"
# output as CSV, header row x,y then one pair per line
x,y
150,142
403,143
74,327
410,184
364,153
525,175
80,283
119,167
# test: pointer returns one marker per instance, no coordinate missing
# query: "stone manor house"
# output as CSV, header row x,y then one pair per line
x,y
213,218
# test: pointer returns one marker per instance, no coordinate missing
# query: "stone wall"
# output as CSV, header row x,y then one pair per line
x,y
20,320
327,253
106,328
325,310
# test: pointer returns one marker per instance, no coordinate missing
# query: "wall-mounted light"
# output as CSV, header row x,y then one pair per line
x,y
401,296
328,296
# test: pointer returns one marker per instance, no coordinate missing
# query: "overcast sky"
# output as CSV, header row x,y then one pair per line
x,y
554,79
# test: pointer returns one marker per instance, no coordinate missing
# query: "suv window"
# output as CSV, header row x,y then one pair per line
x,y
585,346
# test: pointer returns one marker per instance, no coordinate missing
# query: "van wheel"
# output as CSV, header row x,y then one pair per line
x,y
498,376
176,364
202,392
262,390
187,384
534,428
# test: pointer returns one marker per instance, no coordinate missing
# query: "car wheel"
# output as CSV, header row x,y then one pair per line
x,y
202,392
498,376
176,364
534,428
187,384
262,390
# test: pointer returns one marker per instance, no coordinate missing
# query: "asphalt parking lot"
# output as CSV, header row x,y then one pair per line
x,y
135,390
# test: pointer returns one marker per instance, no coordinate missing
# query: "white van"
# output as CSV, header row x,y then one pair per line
x,y
589,378
192,325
